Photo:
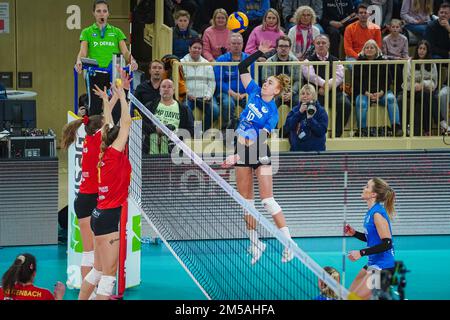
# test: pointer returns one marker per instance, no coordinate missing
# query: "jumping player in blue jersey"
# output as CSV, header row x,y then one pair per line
x,y
252,153
377,234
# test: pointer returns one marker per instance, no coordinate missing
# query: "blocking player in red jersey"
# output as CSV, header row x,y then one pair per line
x,y
114,180
86,199
17,282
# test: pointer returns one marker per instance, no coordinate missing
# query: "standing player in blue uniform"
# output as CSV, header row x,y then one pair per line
x,y
377,234
252,153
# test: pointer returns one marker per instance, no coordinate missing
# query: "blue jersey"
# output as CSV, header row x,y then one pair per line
x,y
257,115
382,260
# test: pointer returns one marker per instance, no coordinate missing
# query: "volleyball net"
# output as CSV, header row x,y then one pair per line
x,y
194,207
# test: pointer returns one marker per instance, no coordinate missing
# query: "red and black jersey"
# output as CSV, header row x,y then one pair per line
x,y
26,292
115,175
89,162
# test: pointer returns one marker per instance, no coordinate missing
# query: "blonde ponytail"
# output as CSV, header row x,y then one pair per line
x,y
285,83
386,195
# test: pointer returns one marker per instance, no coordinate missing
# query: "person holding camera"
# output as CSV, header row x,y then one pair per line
x,y
307,123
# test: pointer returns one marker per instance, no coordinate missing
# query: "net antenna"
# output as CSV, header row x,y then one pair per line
x,y
344,239
212,246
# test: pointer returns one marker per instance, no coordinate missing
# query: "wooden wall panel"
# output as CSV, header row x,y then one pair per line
x,y
8,44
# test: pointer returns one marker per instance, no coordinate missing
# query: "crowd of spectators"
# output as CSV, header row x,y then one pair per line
x,y
315,30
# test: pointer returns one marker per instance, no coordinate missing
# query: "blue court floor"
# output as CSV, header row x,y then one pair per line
x,y
162,278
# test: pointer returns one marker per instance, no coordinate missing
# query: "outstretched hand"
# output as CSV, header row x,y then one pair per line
x,y
117,89
125,78
100,93
230,161
265,46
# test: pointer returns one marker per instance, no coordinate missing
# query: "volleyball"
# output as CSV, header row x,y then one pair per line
x,y
237,22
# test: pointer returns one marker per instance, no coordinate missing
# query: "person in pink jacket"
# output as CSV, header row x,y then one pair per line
x,y
270,29
215,37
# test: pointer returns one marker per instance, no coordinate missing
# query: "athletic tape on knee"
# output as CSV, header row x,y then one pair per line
x,y
94,276
251,203
87,259
106,286
271,206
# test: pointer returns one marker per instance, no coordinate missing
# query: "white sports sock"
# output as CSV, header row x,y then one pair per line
x,y
253,235
285,231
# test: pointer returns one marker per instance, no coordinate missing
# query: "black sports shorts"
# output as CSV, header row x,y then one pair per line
x,y
84,204
105,221
253,156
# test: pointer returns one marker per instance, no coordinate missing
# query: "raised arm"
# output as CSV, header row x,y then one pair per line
x,y
246,78
108,105
125,120
127,55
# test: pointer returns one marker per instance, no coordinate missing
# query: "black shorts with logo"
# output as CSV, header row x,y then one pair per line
x,y
253,156
105,221
84,204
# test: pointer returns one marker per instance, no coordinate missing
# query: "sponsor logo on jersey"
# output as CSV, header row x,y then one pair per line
x,y
255,110
264,109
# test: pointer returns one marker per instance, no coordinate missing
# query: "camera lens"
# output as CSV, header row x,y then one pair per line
x,y
311,109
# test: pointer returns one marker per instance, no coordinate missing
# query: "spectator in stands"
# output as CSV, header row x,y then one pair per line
x,y
169,60
416,14
336,16
370,86
114,180
395,47
325,292
148,90
283,54
395,44
113,42
425,84
307,123
386,8
201,84
255,10
183,34
303,33
203,19
18,282
230,90
359,32
317,76
438,33
172,114
215,37
269,30
290,6
380,199
191,6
